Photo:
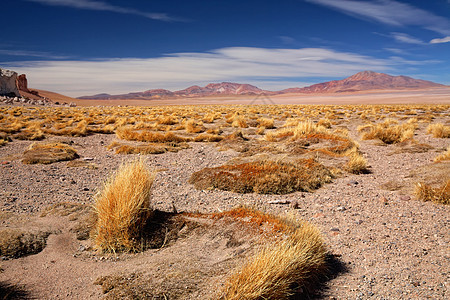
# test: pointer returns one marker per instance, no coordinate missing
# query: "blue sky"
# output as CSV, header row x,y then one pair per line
x,y
82,47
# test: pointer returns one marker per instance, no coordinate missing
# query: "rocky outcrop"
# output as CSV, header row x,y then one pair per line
x,y
22,83
8,83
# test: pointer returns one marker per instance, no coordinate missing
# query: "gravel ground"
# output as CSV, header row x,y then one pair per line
x,y
389,245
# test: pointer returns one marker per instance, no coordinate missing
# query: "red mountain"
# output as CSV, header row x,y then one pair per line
x,y
362,81
366,80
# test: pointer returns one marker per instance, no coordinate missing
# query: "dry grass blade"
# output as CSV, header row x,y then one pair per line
x,y
278,270
443,156
123,208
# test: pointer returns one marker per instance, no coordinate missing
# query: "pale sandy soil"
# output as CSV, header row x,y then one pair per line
x,y
386,243
429,96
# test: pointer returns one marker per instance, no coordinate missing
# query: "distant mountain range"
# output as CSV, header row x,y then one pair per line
x,y
362,81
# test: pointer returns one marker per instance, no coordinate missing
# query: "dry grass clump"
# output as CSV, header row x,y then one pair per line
x,y
149,148
47,153
264,177
193,126
294,133
15,243
123,208
440,194
129,134
266,123
280,270
439,130
4,139
239,121
356,164
207,137
443,156
386,132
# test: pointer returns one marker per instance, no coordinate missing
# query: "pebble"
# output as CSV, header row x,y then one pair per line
x,y
405,197
340,208
334,229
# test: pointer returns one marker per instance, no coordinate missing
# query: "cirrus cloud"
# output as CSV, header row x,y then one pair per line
x,y
266,68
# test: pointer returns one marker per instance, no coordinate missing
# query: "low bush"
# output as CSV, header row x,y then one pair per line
x,y
264,177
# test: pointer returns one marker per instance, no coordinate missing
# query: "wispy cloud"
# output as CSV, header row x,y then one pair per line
x,y
440,41
406,38
390,12
26,53
104,6
267,68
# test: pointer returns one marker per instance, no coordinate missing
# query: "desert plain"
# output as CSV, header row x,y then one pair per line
x,y
227,170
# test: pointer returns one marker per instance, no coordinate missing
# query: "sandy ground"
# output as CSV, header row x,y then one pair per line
x,y
429,96
388,245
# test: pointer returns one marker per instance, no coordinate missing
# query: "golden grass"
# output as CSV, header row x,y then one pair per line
x,y
386,132
278,270
123,208
129,134
439,130
440,194
443,156
148,148
266,123
47,153
264,177
356,164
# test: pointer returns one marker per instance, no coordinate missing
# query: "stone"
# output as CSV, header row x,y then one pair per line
x,y
8,83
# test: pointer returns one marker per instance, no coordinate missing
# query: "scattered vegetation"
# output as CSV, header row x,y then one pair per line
x,y
47,153
148,148
123,208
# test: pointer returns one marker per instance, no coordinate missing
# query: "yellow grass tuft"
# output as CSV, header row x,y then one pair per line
x,y
129,134
439,130
123,208
274,273
440,194
388,133
356,164
443,156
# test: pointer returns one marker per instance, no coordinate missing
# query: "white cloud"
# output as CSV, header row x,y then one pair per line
x,y
260,66
439,41
32,54
405,38
103,6
390,12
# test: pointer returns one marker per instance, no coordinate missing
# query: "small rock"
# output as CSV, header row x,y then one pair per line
x,y
353,182
340,208
295,204
383,200
88,158
5,162
279,202
358,222
405,197
85,189
334,229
